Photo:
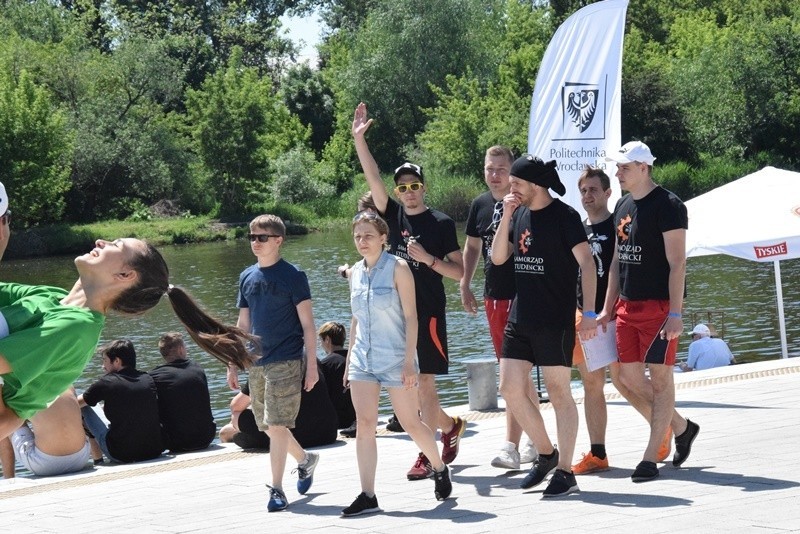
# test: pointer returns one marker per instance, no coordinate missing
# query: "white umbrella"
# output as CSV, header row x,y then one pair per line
x,y
756,217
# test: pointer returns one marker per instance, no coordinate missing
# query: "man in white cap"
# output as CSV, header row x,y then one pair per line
x,y
706,352
645,292
548,243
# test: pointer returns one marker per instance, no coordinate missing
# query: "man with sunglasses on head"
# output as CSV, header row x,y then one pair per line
x,y
499,290
427,239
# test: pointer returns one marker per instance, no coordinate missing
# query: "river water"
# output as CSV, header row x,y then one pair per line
x,y
741,295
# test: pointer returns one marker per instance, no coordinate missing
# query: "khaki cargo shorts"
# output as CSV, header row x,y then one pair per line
x,y
275,391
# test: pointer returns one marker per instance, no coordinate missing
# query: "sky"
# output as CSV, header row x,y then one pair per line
x,y
305,33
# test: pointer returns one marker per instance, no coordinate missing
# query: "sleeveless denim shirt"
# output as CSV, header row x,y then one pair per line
x,y
380,337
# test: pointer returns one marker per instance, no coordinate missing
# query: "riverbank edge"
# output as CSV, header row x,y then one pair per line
x,y
64,239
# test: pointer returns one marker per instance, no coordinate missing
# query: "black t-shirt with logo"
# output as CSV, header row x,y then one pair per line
x,y
483,219
437,233
544,265
601,243
640,225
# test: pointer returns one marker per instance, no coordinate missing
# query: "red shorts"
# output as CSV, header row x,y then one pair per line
x,y
497,314
639,326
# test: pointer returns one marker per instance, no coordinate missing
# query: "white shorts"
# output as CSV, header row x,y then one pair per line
x,y
43,464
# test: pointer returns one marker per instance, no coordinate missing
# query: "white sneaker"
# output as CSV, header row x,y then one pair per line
x,y
508,457
528,453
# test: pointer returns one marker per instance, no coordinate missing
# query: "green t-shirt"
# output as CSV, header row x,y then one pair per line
x,y
48,345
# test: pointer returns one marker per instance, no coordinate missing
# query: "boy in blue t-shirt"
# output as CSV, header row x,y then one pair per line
x,y
274,303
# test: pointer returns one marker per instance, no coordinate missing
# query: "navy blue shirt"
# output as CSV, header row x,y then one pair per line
x,y
272,295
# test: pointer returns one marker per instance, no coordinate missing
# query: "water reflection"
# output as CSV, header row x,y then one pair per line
x,y
743,290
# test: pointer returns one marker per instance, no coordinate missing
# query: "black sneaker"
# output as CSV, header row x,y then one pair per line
x,y
362,505
394,424
442,483
645,471
562,483
350,431
683,443
541,468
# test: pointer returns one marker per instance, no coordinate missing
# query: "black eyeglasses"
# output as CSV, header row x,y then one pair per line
x,y
6,217
414,186
261,238
366,214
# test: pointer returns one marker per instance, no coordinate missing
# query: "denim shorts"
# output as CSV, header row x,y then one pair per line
x,y
275,391
390,378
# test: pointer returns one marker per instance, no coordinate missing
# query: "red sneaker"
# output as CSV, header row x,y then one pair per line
x,y
452,439
422,469
666,446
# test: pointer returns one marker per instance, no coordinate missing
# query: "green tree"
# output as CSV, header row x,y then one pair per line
x,y
306,95
238,125
34,150
400,51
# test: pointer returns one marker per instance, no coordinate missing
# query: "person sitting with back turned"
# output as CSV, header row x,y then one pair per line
x,y
130,404
56,445
315,425
706,352
333,366
184,403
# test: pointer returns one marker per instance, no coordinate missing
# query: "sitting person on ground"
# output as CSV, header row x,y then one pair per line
x,y
706,352
333,366
56,445
130,403
184,403
315,425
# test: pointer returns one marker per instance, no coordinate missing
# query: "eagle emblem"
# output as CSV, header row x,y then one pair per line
x,y
581,106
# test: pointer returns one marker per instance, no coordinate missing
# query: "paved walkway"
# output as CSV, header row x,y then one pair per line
x,y
743,476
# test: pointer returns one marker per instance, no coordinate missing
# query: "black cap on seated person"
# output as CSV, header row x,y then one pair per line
x,y
409,168
532,169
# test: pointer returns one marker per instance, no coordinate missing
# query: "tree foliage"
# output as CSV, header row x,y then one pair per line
x,y
34,147
238,126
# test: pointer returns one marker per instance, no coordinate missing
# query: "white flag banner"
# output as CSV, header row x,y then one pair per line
x,y
575,112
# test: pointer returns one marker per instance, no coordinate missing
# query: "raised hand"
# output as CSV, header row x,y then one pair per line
x,y
360,122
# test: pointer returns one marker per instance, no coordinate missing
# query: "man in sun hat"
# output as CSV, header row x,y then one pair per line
x,y
548,243
645,292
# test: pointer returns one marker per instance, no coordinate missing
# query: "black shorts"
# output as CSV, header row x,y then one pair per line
x,y
546,347
432,346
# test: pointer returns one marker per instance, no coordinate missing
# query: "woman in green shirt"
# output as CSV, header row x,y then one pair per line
x,y
52,333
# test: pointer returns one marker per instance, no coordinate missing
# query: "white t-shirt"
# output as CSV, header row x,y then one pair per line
x,y
708,352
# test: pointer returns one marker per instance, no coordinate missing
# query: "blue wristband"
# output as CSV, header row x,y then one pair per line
x,y
590,314
674,315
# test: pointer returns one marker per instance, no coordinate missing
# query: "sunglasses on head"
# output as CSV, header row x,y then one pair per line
x,y
6,217
366,214
261,238
413,186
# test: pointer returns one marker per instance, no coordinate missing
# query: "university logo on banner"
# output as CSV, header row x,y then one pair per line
x,y
581,103
576,104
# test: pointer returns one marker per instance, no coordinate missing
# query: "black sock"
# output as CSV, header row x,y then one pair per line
x,y
599,450
548,456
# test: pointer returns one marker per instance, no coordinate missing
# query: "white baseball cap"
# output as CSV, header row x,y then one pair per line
x,y
632,151
701,330
3,200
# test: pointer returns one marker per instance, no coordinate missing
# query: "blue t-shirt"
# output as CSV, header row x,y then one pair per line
x,y
272,295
